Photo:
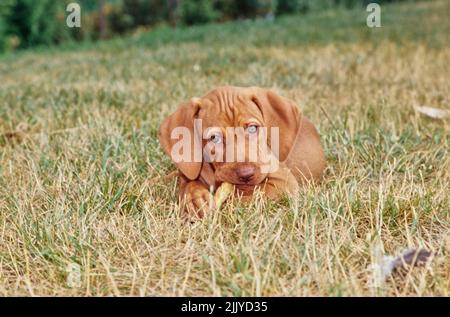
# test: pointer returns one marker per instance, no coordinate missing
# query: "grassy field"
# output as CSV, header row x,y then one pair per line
x,y
78,147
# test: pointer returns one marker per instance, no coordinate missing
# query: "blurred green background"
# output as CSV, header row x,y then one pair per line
x,y
31,23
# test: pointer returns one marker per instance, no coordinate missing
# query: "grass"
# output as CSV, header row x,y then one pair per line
x,y
78,147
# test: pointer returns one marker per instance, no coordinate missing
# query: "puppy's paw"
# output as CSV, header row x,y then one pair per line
x,y
196,201
280,183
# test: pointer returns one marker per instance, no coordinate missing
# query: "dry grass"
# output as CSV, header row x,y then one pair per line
x,y
79,146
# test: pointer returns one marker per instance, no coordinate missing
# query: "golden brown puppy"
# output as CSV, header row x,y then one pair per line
x,y
249,137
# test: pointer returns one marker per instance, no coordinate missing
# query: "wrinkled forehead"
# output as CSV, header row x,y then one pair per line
x,y
228,110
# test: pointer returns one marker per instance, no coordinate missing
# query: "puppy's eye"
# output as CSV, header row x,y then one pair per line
x,y
252,129
215,138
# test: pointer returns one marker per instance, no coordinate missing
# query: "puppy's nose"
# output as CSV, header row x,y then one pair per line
x,y
245,173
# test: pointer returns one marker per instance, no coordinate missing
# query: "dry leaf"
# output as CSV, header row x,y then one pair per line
x,y
434,112
406,260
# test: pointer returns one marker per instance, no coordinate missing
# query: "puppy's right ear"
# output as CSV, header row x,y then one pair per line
x,y
184,118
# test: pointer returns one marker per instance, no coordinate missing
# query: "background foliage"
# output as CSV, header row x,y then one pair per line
x,y
28,23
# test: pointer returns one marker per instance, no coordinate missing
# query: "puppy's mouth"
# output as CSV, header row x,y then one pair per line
x,y
247,189
247,185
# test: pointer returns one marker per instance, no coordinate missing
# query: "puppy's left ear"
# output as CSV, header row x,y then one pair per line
x,y
282,113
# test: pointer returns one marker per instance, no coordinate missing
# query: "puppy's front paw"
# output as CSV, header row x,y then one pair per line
x,y
279,183
196,200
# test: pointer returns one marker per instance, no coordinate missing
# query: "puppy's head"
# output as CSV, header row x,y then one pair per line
x,y
234,135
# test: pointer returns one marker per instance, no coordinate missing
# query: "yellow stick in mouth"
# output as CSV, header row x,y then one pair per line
x,y
222,194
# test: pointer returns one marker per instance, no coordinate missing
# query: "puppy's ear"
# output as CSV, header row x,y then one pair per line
x,y
282,113
184,118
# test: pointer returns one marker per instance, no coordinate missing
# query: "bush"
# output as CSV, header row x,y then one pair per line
x,y
33,22
5,9
119,21
287,6
197,11
146,12
301,6
237,9
304,6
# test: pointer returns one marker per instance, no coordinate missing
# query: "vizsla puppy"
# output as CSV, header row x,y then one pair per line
x,y
272,148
